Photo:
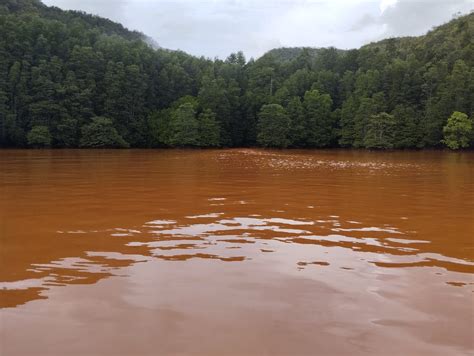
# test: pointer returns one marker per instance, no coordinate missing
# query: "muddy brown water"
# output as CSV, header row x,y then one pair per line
x,y
236,252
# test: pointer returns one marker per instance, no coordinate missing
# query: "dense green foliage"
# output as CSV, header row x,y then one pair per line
x,y
60,70
101,133
380,131
39,136
273,126
458,131
209,129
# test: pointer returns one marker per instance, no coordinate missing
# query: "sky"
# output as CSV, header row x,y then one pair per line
x,y
217,28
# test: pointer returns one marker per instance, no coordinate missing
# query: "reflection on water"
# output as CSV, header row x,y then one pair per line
x,y
387,237
211,235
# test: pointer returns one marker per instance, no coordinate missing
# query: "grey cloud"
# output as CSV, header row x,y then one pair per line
x,y
112,9
219,27
416,17
365,21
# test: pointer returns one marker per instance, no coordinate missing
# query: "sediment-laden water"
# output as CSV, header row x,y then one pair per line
x,y
236,252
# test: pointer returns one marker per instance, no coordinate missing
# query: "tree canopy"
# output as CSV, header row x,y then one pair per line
x,y
62,70
39,136
273,126
101,133
458,131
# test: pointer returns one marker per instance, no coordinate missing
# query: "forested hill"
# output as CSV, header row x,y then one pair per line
x,y
291,53
68,79
70,17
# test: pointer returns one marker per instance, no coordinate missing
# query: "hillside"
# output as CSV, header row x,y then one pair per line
x,y
105,26
69,79
288,54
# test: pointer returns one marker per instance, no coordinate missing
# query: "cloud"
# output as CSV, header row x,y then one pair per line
x,y
113,9
220,27
365,21
385,4
408,18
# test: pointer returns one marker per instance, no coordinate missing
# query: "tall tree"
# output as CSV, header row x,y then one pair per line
x,y
320,123
184,127
273,126
380,131
298,125
209,130
407,127
213,96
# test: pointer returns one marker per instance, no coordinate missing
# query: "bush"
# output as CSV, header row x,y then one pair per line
x,y
39,136
458,131
101,133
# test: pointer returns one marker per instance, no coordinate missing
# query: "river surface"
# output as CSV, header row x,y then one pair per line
x,y
236,252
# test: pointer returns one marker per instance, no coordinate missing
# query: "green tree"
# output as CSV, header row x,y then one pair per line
x,y
461,85
76,101
174,81
45,107
213,96
367,108
347,122
328,82
39,136
60,69
184,127
66,134
3,117
407,131
209,129
320,123
458,131
273,126
380,131
298,126
101,133
159,126
300,82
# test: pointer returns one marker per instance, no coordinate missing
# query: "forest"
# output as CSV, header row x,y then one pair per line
x,y
69,79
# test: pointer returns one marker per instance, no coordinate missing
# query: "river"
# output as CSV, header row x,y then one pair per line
x,y
236,252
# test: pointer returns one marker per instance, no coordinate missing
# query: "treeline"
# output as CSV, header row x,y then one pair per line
x,y
68,79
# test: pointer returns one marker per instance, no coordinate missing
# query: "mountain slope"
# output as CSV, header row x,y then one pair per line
x,y
105,26
69,79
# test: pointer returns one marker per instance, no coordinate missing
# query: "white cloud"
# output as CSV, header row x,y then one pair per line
x,y
385,4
